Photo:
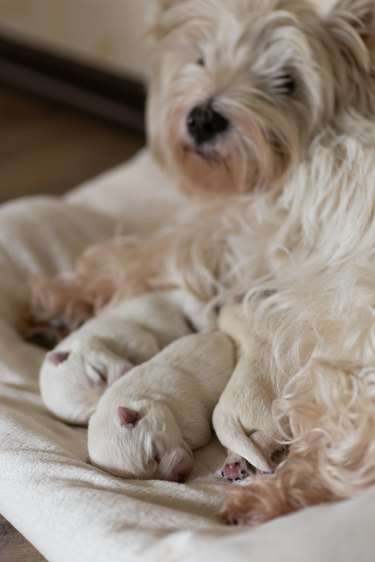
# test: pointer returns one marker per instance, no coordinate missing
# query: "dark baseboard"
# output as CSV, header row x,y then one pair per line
x,y
76,84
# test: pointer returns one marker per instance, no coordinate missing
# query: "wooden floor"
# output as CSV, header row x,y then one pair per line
x,y
46,148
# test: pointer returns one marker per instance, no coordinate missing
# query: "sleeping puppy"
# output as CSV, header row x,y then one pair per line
x,y
243,419
77,372
149,422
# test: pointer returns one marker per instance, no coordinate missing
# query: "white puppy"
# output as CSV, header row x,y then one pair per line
x,y
77,372
242,419
149,422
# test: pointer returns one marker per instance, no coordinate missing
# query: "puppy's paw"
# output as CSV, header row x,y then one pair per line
x,y
236,468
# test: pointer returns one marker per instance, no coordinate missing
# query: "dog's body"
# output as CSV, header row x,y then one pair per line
x,y
78,371
270,103
149,422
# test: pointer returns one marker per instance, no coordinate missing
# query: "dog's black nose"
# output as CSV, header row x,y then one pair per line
x,y
204,124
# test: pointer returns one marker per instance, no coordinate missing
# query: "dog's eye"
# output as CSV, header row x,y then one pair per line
x,y
201,61
285,83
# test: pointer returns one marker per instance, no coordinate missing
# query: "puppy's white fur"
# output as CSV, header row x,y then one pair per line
x,y
170,400
77,372
241,419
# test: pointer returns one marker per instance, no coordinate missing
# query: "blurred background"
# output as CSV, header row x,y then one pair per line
x,y
72,75
72,93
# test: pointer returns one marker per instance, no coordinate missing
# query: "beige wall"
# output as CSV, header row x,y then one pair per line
x,y
104,31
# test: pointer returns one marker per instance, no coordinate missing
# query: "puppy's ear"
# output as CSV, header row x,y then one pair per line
x,y
128,417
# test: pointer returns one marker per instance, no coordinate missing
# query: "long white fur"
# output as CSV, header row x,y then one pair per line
x,y
174,394
76,373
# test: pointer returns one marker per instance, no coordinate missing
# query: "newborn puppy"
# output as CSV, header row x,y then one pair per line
x,y
149,422
243,419
76,373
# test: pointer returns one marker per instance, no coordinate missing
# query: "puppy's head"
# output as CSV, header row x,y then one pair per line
x,y
240,89
71,382
138,440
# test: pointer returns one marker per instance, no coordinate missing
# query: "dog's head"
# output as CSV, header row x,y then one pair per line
x,y
72,382
138,440
240,89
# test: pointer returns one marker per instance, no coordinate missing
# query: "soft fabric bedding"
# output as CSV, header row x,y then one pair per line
x,y
72,511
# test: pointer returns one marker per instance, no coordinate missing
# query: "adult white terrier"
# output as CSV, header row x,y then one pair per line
x,y
77,372
271,104
148,423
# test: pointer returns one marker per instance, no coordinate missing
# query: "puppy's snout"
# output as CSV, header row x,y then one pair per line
x,y
181,471
204,123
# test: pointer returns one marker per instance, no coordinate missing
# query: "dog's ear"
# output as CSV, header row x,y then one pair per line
x,y
128,417
163,5
360,14
352,24
157,21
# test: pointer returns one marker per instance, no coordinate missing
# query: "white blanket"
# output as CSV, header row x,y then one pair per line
x,y
73,512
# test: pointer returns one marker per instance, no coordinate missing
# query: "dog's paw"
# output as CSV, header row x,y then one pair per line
x,y
49,333
236,468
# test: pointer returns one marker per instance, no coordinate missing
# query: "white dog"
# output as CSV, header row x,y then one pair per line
x,y
272,104
77,372
149,422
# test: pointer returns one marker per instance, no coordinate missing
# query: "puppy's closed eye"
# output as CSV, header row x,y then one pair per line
x,y
96,373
